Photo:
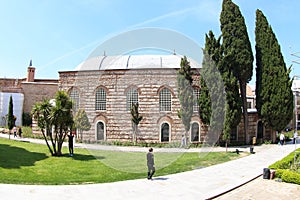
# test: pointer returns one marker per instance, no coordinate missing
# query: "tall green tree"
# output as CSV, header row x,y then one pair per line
x,y
274,97
185,93
10,115
238,56
212,94
223,88
82,122
62,118
136,118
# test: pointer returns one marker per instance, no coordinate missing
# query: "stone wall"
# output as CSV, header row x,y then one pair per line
x,y
116,117
36,92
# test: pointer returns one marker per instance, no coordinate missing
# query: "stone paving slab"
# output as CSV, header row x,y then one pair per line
x,y
261,188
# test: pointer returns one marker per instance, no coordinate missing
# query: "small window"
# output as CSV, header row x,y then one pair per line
x,y
196,93
165,100
132,97
100,103
74,96
249,104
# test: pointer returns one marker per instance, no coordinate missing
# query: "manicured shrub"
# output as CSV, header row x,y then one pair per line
x,y
285,163
279,173
291,177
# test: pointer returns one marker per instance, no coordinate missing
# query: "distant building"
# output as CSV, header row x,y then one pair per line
x,y
25,93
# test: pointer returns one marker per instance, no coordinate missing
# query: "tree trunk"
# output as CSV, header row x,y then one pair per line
x,y
245,113
47,143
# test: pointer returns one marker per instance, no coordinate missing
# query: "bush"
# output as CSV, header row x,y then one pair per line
x,y
279,173
291,177
283,169
285,163
26,119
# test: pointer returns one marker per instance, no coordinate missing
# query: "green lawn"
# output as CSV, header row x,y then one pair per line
x,y
28,163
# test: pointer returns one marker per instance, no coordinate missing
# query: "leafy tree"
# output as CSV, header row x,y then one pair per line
x,y
185,93
135,119
274,97
58,116
62,118
82,122
26,119
238,55
10,116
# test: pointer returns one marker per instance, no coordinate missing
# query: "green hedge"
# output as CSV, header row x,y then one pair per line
x,y
285,163
283,169
291,177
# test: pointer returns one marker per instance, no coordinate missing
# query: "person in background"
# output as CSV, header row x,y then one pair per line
x,y
150,164
20,132
15,131
71,148
295,136
183,141
281,138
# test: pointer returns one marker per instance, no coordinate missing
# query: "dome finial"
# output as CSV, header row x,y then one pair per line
x,y
30,63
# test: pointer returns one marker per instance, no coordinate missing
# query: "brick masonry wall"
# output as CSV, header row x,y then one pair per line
x,y
116,117
36,92
148,82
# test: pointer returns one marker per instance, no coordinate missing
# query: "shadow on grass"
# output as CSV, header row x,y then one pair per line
x,y
15,157
83,157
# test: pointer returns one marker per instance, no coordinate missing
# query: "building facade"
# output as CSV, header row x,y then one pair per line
x,y
106,86
25,92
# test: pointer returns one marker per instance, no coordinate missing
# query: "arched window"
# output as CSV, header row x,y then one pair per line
x,y
196,93
74,96
195,132
165,132
131,98
100,130
100,103
165,100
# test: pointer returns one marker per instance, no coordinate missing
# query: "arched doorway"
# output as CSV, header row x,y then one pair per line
x,y
100,130
260,130
165,132
195,132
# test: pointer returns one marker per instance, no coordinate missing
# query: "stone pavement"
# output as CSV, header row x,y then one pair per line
x,y
261,188
205,183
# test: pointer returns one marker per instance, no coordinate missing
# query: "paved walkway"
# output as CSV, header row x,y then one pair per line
x,y
202,183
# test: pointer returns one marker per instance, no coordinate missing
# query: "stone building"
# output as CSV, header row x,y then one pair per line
x,y
27,90
106,86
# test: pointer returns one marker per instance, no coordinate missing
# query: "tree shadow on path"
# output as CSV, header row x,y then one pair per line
x,y
15,157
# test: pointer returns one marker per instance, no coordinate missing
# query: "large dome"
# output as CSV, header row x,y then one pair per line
x,y
134,62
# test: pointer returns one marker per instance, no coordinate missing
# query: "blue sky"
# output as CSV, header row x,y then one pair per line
x,y
58,35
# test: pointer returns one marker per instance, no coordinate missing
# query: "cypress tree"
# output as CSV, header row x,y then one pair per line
x,y
185,93
273,86
237,50
211,98
10,115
